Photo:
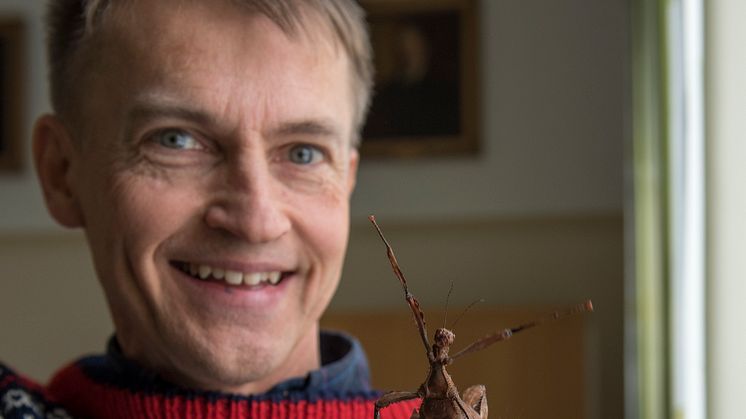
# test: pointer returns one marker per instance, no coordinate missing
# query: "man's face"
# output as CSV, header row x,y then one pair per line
x,y
213,145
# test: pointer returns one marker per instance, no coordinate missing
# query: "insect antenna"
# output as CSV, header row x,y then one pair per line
x,y
473,303
448,298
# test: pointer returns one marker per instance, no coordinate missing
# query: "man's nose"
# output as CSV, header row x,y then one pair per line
x,y
248,204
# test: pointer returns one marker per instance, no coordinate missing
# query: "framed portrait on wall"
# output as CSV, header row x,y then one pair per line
x,y
425,97
11,101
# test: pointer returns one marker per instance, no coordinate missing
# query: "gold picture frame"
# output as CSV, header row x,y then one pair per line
x,y
425,100
11,91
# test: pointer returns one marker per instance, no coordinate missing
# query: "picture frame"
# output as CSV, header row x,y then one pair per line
x,y
425,100
11,91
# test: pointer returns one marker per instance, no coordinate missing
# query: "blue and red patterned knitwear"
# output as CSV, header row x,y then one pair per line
x,y
111,386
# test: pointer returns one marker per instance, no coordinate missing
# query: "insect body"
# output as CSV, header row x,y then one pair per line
x,y
440,398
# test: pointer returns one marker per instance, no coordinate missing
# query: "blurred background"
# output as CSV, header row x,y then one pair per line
x,y
605,164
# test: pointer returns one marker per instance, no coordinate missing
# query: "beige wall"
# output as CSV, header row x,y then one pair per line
x,y
554,87
51,307
508,262
538,374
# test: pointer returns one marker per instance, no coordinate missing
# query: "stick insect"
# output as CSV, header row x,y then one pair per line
x,y
440,398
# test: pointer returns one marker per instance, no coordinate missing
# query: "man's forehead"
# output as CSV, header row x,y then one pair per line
x,y
159,34
121,32
267,83
171,32
297,22
223,69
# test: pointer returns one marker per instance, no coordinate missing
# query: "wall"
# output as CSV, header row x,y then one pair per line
x,y
537,374
51,306
554,89
21,207
535,218
549,261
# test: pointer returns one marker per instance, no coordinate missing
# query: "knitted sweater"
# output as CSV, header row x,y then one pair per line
x,y
111,386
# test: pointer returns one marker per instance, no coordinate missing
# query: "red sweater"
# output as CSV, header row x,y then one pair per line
x,y
110,386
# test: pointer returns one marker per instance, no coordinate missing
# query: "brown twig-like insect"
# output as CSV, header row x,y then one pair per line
x,y
440,398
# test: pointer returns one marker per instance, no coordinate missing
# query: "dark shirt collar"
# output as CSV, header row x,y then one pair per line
x,y
344,370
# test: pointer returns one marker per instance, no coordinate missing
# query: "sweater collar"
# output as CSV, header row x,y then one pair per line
x,y
344,370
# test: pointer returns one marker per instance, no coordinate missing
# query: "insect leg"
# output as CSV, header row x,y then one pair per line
x,y
419,317
506,334
393,397
476,397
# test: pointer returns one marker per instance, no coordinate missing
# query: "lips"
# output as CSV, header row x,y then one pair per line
x,y
231,277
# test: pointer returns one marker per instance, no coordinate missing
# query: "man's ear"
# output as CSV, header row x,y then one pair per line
x,y
352,170
54,156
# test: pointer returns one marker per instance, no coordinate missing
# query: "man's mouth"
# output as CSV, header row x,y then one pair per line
x,y
229,277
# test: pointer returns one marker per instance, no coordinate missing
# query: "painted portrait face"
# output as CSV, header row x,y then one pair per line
x,y
212,172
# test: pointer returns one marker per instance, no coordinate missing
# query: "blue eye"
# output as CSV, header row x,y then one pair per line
x,y
304,154
177,139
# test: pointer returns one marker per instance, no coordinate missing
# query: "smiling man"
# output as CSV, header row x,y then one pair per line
x,y
208,150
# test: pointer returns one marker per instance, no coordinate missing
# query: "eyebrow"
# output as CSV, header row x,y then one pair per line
x,y
148,109
307,127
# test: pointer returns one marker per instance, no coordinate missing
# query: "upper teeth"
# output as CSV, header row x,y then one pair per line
x,y
233,277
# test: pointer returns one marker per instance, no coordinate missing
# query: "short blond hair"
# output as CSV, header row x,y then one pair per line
x,y
72,23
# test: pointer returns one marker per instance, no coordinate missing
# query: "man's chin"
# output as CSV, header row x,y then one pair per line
x,y
219,352
217,370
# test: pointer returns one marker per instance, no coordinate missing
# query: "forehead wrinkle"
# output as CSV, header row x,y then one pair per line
x,y
311,127
149,108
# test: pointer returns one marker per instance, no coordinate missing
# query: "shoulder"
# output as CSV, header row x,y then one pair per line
x,y
22,398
